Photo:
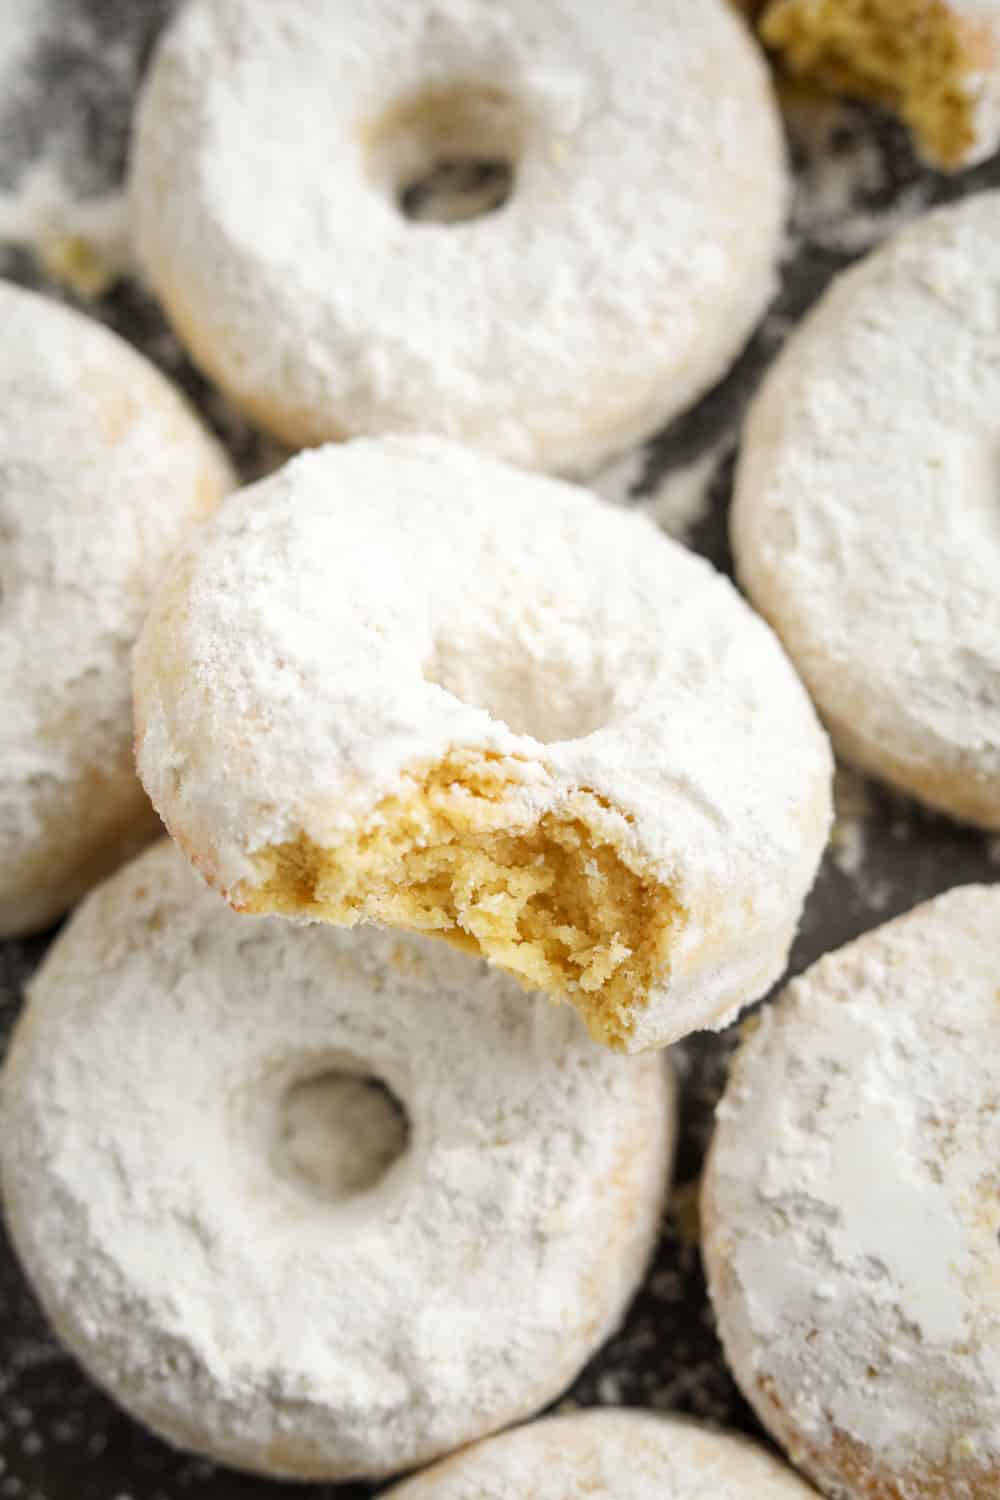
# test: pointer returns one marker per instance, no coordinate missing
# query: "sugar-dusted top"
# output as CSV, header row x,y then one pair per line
x,y
853,1206
375,606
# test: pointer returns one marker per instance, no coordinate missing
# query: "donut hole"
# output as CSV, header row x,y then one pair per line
x,y
339,1132
553,701
448,155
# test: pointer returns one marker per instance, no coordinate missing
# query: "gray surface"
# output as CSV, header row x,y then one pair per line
x,y
60,1438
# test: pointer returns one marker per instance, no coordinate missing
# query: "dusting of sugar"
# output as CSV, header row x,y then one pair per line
x,y
641,641
848,846
619,481
617,1455
310,1331
421,325
81,242
682,498
679,500
851,1202
76,1422
60,192
853,809
872,546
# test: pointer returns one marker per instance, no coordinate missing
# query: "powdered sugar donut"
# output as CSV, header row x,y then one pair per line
x,y
273,145
404,683
609,1455
191,1175
102,470
937,65
864,523
850,1210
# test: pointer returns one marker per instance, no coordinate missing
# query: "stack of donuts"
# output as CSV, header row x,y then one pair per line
x,y
337,1129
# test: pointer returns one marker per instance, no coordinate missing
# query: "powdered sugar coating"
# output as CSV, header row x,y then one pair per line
x,y
865,523
245,1318
595,305
851,1209
609,1455
979,27
103,469
375,606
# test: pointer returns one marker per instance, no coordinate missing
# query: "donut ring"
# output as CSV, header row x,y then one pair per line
x,y
850,1210
589,310
608,1455
103,468
274,1322
565,743
864,524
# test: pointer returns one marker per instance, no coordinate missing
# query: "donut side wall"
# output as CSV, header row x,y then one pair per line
x,y
555,905
844,1466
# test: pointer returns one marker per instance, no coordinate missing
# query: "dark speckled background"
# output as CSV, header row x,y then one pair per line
x,y
66,101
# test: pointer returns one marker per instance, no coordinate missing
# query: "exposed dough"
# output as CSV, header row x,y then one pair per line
x,y
401,682
935,63
231,1241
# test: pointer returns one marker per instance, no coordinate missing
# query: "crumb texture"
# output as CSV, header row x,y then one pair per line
x,y
490,707
259,1266
555,905
920,58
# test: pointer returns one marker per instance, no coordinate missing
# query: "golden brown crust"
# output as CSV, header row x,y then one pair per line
x,y
859,1471
845,1463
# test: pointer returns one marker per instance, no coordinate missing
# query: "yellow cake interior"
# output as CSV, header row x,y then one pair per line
x,y
914,56
553,904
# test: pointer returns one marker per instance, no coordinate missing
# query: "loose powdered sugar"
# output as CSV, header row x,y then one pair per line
x,y
682,498
666,1354
88,430
620,480
679,500
639,675
852,811
83,242
61,67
